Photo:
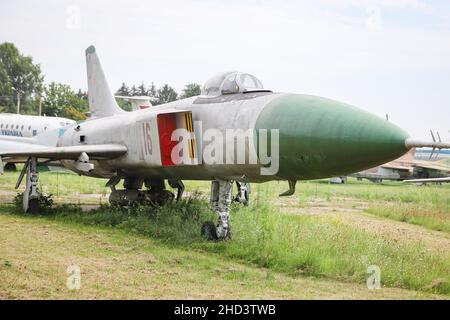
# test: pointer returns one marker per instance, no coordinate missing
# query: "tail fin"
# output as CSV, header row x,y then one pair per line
x,y
101,100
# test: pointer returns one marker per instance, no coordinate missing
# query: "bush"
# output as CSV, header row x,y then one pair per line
x,y
45,202
176,222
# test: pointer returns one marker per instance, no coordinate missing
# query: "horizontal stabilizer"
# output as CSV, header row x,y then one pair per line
x,y
138,102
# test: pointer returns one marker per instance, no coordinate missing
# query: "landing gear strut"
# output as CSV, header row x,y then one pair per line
x,y
31,195
220,204
243,194
179,185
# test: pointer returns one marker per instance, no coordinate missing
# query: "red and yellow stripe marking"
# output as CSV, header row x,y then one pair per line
x,y
190,128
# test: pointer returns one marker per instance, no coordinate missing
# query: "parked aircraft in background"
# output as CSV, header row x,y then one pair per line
x,y
406,167
426,154
26,126
236,130
16,128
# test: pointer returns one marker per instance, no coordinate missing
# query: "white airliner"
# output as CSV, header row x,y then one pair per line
x,y
17,125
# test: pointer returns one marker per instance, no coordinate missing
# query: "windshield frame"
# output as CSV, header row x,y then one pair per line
x,y
211,88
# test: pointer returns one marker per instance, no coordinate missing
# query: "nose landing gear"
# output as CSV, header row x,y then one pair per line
x,y
220,204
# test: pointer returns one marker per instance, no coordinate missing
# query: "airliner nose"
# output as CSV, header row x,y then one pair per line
x,y
320,138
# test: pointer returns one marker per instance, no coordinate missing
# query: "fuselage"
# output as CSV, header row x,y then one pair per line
x,y
26,126
318,138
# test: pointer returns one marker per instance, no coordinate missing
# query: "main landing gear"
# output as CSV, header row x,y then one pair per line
x,y
157,194
30,195
154,194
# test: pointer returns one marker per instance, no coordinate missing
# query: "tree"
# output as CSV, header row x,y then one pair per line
x,y
191,90
166,94
77,106
55,97
134,91
6,91
123,90
73,113
152,92
82,94
141,90
59,99
20,78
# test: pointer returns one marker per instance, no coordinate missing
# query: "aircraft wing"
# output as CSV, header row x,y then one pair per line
x,y
95,152
437,180
396,167
431,165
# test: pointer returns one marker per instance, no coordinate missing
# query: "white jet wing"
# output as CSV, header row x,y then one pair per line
x,y
95,152
44,146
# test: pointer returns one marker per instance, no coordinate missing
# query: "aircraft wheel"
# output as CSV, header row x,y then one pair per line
x,y
208,231
33,206
10,167
161,197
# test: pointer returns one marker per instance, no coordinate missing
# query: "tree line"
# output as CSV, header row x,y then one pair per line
x,y
22,88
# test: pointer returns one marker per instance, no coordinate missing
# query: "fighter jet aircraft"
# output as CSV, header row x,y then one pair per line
x,y
236,130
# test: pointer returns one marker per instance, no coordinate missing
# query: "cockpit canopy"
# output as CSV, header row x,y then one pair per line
x,y
231,82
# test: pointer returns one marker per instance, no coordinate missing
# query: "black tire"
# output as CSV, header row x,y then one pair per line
x,y
160,198
208,231
166,197
11,167
33,206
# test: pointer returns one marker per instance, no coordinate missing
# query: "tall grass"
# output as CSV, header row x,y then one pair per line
x,y
435,219
316,246
430,195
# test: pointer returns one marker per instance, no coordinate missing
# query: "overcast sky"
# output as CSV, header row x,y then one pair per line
x,y
385,56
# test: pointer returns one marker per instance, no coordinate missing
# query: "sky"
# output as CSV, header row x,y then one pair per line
x,y
385,56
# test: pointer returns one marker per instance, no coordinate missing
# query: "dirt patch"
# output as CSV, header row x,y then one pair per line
x,y
7,196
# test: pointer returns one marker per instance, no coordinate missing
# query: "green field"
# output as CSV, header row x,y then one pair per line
x,y
316,244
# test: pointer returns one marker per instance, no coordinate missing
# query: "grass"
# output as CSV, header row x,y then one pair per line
x,y
291,244
423,216
117,264
427,206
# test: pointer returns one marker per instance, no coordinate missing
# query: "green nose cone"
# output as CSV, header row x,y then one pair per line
x,y
321,138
